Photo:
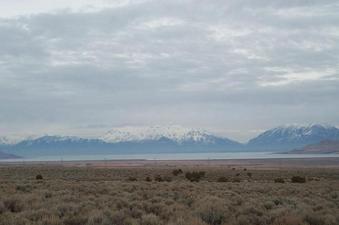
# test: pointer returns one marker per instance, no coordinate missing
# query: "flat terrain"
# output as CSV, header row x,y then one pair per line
x,y
246,192
249,163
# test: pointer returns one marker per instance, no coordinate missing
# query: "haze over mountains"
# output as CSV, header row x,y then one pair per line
x,y
172,139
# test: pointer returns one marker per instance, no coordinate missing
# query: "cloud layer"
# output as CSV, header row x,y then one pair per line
x,y
233,67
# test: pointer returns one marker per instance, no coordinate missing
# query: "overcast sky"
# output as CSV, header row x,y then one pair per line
x,y
233,67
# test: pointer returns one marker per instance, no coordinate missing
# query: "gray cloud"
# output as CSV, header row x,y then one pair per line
x,y
231,67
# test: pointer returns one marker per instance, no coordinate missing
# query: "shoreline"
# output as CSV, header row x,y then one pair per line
x,y
281,163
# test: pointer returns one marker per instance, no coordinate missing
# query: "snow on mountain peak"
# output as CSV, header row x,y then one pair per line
x,y
301,130
11,140
175,133
4,141
296,133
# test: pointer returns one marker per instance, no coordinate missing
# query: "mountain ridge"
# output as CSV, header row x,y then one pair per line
x,y
176,133
284,137
151,140
171,139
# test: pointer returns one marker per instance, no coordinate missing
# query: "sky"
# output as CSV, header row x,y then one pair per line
x,y
234,67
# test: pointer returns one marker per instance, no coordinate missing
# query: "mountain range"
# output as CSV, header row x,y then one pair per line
x,y
171,139
291,137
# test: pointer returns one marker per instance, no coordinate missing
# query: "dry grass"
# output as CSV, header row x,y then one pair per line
x,y
88,196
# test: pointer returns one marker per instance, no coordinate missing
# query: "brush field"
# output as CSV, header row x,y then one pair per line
x,y
164,195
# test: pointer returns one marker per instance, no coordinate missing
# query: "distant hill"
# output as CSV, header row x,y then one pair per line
x,y
324,147
8,156
291,137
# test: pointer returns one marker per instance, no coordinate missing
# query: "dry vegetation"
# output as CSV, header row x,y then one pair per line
x,y
164,195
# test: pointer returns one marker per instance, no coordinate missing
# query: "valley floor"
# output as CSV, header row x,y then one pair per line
x,y
156,192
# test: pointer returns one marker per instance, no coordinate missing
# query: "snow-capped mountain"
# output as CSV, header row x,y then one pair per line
x,y
289,137
176,134
126,140
171,139
8,140
4,141
12,140
48,139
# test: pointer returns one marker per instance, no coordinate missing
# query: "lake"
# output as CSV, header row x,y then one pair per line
x,y
174,156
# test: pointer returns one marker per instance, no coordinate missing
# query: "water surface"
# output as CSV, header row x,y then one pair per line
x,y
173,156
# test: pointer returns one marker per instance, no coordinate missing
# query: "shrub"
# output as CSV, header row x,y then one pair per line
x,y
222,179
279,180
314,220
158,178
177,172
213,217
195,176
289,219
135,212
75,220
212,210
167,179
132,179
298,179
236,180
249,174
202,173
334,195
39,177
150,219
268,205
148,179
277,202
13,205
118,217
95,218
48,194
2,207
23,188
